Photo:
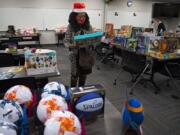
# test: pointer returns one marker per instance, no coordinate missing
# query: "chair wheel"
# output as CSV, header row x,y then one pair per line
x,y
131,93
98,68
168,85
156,92
114,82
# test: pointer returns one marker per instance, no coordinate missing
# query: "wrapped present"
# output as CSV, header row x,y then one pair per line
x,y
172,44
40,61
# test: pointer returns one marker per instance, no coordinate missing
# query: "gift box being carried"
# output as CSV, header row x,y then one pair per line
x,y
40,61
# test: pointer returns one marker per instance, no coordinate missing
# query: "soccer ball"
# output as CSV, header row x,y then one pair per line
x,y
19,93
10,111
54,88
62,123
49,104
7,128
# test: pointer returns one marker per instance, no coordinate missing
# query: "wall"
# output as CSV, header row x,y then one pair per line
x,y
143,10
63,4
46,14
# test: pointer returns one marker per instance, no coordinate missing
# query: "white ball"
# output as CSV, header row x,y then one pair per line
x,y
19,93
7,128
49,104
54,88
62,122
10,111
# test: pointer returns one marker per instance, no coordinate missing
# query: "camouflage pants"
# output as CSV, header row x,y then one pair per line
x,y
77,78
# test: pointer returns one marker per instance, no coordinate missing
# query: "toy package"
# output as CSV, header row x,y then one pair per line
x,y
109,29
132,44
120,40
153,43
172,44
142,47
88,39
40,62
126,30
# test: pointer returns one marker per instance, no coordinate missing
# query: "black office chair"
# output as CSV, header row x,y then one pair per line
x,y
135,64
3,46
170,69
106,54
6,60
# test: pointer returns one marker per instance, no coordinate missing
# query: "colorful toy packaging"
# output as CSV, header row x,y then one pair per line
x,y
120,40
40,61
132,44
126,30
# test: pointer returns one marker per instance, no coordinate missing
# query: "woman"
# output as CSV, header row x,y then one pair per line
x,y
80,52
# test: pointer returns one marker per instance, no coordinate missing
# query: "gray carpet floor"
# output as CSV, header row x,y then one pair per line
x,y
162,112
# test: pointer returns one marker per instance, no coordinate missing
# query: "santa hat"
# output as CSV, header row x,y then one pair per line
x,y
79,7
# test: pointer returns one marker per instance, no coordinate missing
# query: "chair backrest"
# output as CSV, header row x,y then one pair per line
x,y
6,60
173,66
8,83
133,62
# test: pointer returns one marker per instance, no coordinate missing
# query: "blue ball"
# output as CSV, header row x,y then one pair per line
x,y
89,105
132,114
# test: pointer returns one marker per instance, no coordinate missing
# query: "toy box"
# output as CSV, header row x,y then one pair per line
x,y
172,44
120,40
153,43
132,44
126,30
88,39
109,29
41,61
88,104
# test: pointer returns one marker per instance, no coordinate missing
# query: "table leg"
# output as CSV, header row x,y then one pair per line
x,y
173,80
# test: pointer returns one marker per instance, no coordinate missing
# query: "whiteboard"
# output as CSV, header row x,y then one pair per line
x,y
142,19
21,18
54,18
42,18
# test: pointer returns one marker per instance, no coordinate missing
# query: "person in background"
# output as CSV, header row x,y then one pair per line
x,y
11,30
160,26
81,57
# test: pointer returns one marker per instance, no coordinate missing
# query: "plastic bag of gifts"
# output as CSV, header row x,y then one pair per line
x,y
40,61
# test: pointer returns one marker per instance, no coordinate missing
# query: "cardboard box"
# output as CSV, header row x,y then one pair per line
x,y
41,62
